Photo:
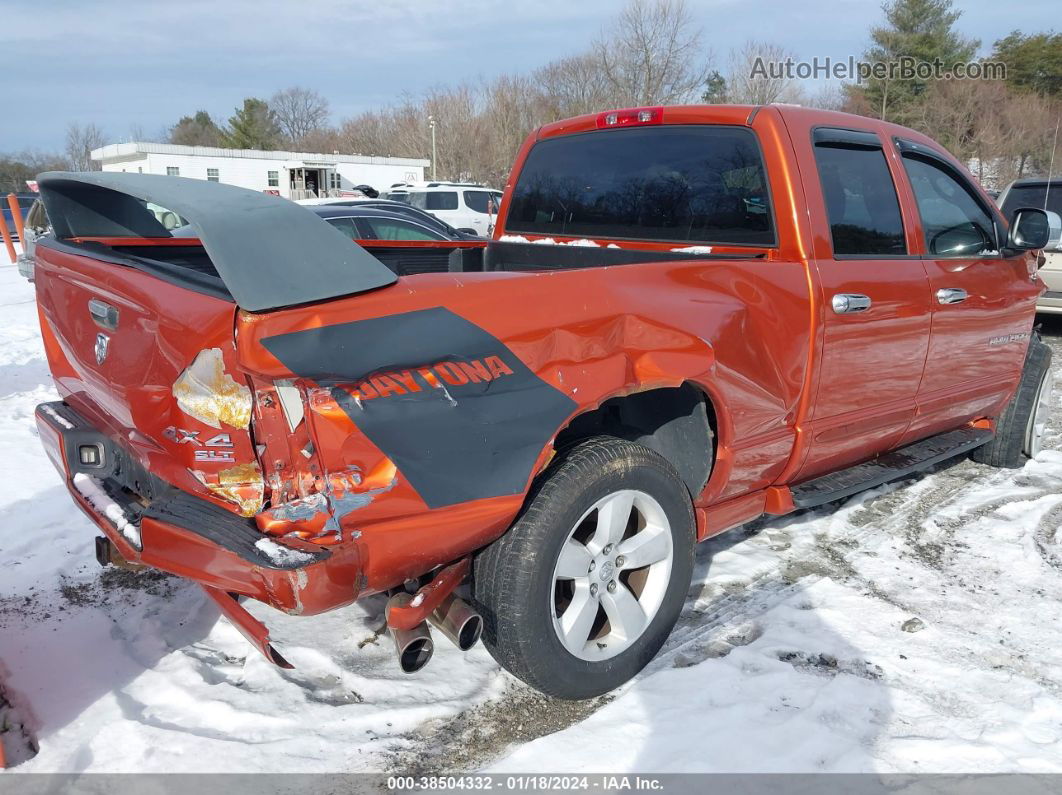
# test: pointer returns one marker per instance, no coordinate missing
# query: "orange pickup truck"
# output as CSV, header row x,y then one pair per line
x,y
688,317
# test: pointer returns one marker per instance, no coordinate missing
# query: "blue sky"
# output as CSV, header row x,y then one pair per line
x,y
124,65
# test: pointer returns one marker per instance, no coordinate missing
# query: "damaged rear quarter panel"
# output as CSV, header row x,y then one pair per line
x,y
168,386
463,380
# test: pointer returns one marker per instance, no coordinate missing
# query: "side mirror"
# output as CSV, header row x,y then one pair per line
x,y
1029,229
1054,221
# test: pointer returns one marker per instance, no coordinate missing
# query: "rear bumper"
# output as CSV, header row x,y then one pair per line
x,y
187,535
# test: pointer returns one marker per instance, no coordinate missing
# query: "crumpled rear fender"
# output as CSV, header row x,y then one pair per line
x,y
462,382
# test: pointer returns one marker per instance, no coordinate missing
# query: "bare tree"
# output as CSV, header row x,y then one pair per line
x,y
80,141
831,96
299,111
751,79
197,130
513,106
573,86
323,139
17,168
652,54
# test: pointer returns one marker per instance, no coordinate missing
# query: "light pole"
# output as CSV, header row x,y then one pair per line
x,y
431,124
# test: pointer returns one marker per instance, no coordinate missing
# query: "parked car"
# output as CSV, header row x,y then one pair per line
x,y
793,306
469,207
25,201
385,229
35,225
1046,194
415,221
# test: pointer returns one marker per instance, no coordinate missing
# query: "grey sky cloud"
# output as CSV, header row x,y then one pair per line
x,y
125,65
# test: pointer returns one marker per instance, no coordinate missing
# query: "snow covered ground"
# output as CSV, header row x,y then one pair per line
x,y
912,629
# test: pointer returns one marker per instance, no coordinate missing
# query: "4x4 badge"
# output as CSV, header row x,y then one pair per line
x,y
102,340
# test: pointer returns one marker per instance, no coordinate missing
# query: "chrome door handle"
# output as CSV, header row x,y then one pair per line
x,y
951,295
846,303
103,315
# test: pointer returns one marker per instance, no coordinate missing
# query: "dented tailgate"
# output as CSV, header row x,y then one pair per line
x,y
153,365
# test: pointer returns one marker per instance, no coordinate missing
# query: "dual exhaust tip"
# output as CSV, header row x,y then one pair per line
x,y
454,618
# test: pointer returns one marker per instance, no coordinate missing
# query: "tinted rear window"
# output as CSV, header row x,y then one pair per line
x,y
1033,196
702,184
435,200
861,201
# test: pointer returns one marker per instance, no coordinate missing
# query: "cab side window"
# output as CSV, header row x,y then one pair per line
x,y
953,220
861,202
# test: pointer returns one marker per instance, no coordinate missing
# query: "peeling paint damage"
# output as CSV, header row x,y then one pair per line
x,y
205,391
242,485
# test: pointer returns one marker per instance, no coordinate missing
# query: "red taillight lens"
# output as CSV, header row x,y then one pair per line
x,y
630,117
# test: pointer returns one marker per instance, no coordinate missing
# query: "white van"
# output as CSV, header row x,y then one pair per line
x,y
468,207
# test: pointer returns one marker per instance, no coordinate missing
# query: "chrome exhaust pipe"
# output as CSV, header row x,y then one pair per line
x,y
458,621
414,646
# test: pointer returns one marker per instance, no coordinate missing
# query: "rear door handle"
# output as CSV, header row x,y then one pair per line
x,y
847,303
951,295
103,315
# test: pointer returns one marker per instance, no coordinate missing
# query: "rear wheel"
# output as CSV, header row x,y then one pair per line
x,y
1020,429
585,587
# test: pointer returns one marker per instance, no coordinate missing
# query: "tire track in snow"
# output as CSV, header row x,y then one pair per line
x,y
926,512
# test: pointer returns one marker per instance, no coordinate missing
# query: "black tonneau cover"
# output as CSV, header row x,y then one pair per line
x,y
269,252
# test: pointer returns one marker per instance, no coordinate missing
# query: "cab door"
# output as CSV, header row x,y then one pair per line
x,y
982,302
875,303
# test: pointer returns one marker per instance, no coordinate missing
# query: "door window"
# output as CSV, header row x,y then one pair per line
x,y
346,226
954,222
391,229
434,200
477,200
861,201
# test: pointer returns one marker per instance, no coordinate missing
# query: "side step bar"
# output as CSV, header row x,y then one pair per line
x,y
889,466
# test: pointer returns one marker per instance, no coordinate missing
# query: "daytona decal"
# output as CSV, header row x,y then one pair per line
x,y
437,376
460,415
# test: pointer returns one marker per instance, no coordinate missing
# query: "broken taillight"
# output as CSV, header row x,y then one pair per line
x,y
630,117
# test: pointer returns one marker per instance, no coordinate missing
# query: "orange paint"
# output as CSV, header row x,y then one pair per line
x,y
8,242
794,388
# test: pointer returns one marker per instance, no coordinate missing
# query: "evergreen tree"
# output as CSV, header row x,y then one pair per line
x,y
1034,62
714,89
918,29
254,126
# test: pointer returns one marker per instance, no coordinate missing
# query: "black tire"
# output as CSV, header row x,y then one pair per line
x,y
513,582
1007,449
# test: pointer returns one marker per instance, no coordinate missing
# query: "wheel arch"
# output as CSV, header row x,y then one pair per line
x,y
681,423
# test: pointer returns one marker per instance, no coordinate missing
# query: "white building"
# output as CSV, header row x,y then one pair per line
x,y
294,175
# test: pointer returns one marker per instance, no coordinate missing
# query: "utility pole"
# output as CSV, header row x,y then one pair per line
x,y
431,124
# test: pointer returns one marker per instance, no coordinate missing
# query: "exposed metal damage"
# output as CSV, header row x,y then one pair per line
x,y
209,394
319,516
241,485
